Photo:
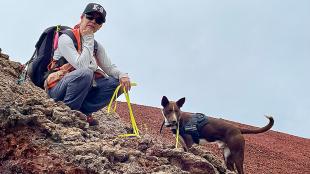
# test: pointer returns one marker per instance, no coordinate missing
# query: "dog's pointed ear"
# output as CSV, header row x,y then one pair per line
x,y
164,101
180,102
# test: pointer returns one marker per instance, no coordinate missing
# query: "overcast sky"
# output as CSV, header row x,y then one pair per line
x,y
237,60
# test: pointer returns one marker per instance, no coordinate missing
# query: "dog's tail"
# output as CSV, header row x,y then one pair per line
x,y
260,130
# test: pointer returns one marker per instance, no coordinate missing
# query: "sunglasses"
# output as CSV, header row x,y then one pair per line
x,y
91,17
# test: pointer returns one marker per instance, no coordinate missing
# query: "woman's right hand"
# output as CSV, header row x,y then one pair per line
x,y
87,31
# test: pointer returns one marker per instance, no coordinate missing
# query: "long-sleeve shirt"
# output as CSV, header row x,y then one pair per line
x,y
86,59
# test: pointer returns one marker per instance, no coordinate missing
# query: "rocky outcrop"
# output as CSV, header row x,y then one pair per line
x,y
39,135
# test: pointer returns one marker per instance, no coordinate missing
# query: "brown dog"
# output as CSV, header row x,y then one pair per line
x,y
228,137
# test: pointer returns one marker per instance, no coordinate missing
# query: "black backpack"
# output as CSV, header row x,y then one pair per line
x,y
36,67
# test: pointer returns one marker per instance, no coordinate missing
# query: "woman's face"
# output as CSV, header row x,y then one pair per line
x,y
91,21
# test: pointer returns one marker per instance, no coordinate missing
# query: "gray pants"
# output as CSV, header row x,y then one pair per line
x,y
76,90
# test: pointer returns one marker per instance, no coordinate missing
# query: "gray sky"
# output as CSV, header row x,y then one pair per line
x,y
237,60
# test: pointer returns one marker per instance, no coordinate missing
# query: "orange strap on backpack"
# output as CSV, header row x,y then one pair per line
x,y
76,32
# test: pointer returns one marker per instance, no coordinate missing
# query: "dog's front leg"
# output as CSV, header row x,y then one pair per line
x,y
187,141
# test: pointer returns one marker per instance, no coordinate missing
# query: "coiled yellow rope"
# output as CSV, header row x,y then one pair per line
x,y
132,118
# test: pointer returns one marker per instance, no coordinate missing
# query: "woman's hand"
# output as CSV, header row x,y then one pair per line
x,y
125,82
87,31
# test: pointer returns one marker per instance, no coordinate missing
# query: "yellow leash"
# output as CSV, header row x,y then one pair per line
x,y
177,137
132,118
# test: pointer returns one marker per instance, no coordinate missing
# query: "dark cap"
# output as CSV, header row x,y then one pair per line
x,y
93,7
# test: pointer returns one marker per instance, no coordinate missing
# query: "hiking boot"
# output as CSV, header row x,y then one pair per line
x,y
91,121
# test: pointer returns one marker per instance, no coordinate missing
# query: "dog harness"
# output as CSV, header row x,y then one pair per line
x,y
194,126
